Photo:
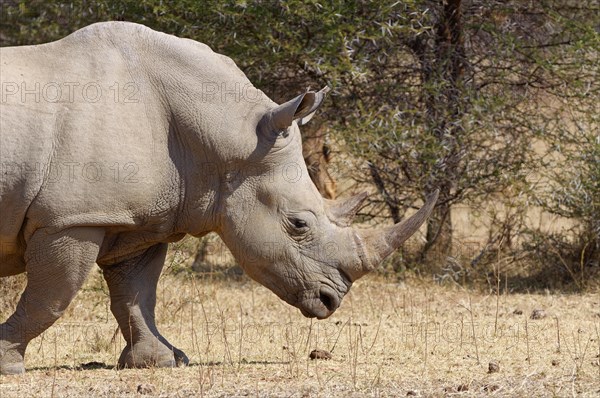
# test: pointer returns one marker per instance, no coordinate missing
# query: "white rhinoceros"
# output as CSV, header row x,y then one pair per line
x,y
117,140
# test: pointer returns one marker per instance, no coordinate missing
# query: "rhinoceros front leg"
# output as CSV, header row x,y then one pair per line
x,y
57,264
132,285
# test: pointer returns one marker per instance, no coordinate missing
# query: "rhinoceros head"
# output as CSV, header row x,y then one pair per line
x,y
285,235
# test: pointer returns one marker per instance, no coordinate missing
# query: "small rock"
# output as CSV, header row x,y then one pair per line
x,y
491,387
555,362
538,314
411,393
518,312
320,354
146,389
460,388
493,367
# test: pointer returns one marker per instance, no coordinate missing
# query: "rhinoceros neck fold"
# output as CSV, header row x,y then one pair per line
x,y
212,111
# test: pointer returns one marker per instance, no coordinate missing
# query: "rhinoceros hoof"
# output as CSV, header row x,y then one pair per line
x,y
12,368
180,358
11,361
151,355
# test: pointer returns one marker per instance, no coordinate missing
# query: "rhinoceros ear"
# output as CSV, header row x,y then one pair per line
x,y
302,108
317,99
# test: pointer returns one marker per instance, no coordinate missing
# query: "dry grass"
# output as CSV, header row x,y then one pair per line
x,y
387,339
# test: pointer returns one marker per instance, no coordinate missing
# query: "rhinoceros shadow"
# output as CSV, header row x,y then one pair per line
x,y
103,366
84,366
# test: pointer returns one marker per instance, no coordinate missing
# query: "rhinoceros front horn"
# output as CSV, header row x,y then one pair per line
x,y
376,244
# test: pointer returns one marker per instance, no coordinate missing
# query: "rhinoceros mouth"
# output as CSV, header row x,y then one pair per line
x,y
319,314
306,313
322,303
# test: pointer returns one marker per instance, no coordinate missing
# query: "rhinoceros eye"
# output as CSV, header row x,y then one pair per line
x,y
299,223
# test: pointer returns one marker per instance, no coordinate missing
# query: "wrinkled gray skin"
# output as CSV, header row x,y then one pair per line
x,y
117,140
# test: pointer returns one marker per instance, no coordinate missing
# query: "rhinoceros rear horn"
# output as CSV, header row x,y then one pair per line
x,y
377,244
342,212
301,109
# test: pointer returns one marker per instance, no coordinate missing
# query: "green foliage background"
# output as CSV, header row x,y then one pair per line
x,y
428,94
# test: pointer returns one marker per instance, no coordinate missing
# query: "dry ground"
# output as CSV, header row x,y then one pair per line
x,y
387,339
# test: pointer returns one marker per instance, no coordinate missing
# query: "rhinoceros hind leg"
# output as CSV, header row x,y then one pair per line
x,y
132,285
57,264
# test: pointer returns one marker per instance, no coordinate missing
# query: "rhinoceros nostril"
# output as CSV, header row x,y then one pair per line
x,y
329,300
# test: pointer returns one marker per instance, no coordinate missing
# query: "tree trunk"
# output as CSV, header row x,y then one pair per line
x,y
443,66
439,238
317,155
